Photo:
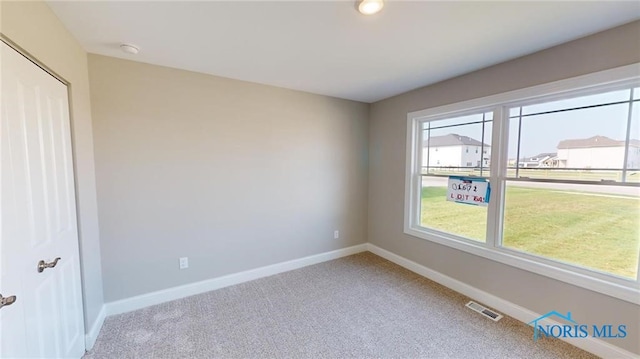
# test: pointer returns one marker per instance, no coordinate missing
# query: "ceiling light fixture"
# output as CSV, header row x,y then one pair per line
x,y
129,49
370,7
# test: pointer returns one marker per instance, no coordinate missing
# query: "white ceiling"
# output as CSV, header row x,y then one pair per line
x,y
327,47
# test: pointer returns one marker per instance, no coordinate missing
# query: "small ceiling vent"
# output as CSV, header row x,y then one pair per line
x,y
484,311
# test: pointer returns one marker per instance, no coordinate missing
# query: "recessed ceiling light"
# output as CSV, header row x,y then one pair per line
x,y
129,49
370,7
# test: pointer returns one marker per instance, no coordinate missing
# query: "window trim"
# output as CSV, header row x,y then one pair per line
x,y
608,284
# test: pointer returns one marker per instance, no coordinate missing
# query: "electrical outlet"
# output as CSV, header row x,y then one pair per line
x,y
336,234
184,262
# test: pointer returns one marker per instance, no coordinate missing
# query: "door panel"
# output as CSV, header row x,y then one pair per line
x,y
38,215
12,323
47,335
71,326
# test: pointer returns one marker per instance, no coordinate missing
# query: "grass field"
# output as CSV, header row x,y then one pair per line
x,y
594,231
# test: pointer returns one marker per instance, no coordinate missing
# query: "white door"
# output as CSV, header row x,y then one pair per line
x,y
38,216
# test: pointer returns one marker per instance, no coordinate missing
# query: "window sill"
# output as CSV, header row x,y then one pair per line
x,y
615,287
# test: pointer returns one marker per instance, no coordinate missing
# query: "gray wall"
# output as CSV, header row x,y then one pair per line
x,y
54,46
231,174
613,48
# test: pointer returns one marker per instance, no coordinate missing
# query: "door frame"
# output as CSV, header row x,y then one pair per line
x,y
68,84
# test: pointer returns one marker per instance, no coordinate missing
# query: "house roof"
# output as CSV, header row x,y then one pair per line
x,y
554,313
595,141
453,139
539,157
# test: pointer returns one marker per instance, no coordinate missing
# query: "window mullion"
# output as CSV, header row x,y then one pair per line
x,y
428,147
497,170
484,115
628,137
518,147
418,171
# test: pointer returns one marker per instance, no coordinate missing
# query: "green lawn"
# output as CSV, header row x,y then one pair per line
x,y
598,232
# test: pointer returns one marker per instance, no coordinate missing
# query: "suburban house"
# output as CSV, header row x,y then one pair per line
x,y
455,150
547,159
598,152
242,179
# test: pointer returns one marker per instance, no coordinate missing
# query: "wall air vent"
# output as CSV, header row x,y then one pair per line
x,y
484,311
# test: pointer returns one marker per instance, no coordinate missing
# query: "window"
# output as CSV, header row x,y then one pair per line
x,y
590,225
451,133
563,163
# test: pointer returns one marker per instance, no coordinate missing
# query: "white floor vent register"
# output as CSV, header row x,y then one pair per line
x,y
484,311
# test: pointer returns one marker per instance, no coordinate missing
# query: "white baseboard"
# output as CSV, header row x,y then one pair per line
x,y
162,296
90,338
592,345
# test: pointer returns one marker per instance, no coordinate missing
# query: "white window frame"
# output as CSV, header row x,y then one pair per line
x,y
622,288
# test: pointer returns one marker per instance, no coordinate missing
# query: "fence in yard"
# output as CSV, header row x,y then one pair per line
x,y
584,174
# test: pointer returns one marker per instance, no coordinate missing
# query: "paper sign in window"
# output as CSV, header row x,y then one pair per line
x,y
468,190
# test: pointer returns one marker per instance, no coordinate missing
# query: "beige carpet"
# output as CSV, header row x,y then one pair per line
x,y
360,306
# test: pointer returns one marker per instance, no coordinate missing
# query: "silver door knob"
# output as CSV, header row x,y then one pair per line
x,y
42,265
7,301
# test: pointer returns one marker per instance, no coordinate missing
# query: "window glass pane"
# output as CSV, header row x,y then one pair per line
x,y
636,93
584,144
455,121
456,218
461,149
593,226
599,99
